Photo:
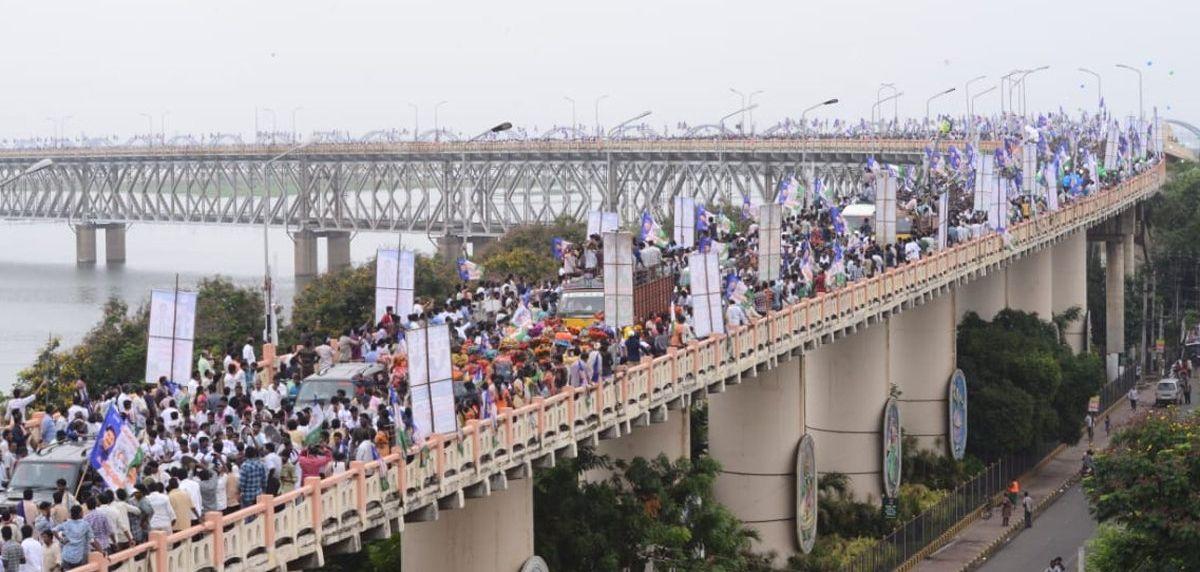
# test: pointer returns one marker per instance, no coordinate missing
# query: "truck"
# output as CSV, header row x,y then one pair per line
x,y
583,298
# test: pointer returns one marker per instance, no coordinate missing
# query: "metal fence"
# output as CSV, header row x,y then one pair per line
x,y
918,533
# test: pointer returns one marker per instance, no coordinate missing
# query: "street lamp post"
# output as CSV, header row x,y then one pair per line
x,y
162,126
721,122
1003,82
598,100
1021,84
879,99
150,126
294,110
437,130
270,328
880,102
967,93
573,121
622,125
1099,85
977,96
470,201
416,121
935,96
1141,110
804,129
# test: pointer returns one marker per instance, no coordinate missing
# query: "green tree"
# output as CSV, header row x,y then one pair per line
x,y
1145,483
525,250
226,313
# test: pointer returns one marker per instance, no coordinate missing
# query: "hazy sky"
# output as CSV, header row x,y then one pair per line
x,y
357,65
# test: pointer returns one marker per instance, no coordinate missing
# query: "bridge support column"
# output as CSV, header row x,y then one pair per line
x,y
1030,284
305,242
479,242
85,245
929,332
754,430
1128,222
1070,286
1114,306
114,244
845,390
337,245
491,533
985,295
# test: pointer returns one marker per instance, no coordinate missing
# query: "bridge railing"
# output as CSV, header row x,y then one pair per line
x,y
370,495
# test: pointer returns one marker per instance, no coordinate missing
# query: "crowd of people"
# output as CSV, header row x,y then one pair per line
x,y
235,430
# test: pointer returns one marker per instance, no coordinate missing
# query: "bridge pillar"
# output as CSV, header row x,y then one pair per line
x,y
491,533
985,295
479,242
85,245
1030,284
337,245
1070,286
927,331
754,428
305,242
1128,226
845,389
114,244
1114,306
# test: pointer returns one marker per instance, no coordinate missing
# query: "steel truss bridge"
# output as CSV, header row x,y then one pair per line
x,y
457,189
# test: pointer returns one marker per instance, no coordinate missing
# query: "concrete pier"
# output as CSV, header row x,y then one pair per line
x,y
85,245
114,244
305,242
337,246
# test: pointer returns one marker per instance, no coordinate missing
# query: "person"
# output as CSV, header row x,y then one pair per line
x,y
1091,426
252,478
1027,503
11,551
1107,424
76,536
181,504
1089,463
52,552
161,513
102,532
1133,398
32,550
1006,508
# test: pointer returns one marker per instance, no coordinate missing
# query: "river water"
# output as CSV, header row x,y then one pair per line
x,y
43,293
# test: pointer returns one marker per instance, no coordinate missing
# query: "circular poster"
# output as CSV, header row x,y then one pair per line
x,y
891,448
958,415
806,494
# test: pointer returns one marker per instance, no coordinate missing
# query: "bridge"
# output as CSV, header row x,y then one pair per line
x,y
454,192
823,368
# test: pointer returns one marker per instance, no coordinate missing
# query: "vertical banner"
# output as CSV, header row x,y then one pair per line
x,y
393,281
943,219
1050,174
770,242
806,494
1029,168
430,385
998,203
116,454
599,222
705,274
1158,136
891,448
1110,146
958,415
983,181
885,207
684,222
171,333
618,279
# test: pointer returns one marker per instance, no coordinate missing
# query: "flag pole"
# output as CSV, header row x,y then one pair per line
x,y
174,315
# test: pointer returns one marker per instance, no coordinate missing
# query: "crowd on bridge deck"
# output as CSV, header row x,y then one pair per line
x,y
234,431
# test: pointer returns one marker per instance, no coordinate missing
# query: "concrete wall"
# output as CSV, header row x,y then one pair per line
x,y
1030,284
985,296
672,438
753,430
922,358
493,533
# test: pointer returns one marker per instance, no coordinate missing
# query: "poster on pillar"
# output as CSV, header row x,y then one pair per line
x,y
806,494
599,222
684,222
958,414
170,337
618,279
770,241
393,281
891,448
983,181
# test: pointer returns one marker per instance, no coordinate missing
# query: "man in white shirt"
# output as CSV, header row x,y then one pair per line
x,y
736,316
191,486
19,403
33,551
164,515
248,352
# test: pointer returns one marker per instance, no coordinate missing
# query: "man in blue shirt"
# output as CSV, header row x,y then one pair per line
x,y
76,537
252,478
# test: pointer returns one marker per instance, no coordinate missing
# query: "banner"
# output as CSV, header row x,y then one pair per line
x,y
684,222
806,494
618,279
1050,174
891,448
172,327
705,274
1110,147
1029,168
116,454
983,181
885,208
943,219
601,222
393,281
429,375
770,242
958,415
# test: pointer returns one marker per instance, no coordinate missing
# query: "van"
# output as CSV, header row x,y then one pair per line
x,y
43,468
1168,392
352,378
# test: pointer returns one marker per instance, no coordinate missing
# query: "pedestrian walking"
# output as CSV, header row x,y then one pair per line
x,y
1006,508
1132,395
1107,424
1091,426
1027,502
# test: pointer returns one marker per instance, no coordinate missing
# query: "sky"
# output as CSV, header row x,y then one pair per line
x,y
205,66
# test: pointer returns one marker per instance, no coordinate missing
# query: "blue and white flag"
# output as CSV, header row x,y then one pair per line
x,y
117,453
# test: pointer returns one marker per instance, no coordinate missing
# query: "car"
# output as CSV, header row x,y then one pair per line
x,y
42,469
1168,392
352,378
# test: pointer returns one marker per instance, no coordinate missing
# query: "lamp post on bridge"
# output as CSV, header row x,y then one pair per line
x,y
804,129
1141,110
967,95
1003,81
574,123
437,132
1020,83
295,139
598,100
721,122
150,125
416,122
162,126
977,96
1099,85
880,102
622,124
747,100
270,327
935,96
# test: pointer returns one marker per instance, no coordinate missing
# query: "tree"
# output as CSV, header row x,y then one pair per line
x,y
226,313
1145,484
524,251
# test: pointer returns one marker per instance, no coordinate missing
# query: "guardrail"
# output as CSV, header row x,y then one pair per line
x,y
435,475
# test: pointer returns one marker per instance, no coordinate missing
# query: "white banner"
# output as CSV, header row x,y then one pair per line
x,y
1158,136
684,222
171,333
1051,176
943,219
429,377
705,273
1029,168
394,277
599,222
618,279
1110,147
770,242
885,208
983,181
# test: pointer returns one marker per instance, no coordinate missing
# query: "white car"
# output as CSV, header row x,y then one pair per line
x,y
1168,392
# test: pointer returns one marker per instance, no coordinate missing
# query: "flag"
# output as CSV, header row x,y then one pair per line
x,y
839,223
559,247
468,270
748,211
117,452
650,231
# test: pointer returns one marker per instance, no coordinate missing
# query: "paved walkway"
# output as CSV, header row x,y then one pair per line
x,y
1045,482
